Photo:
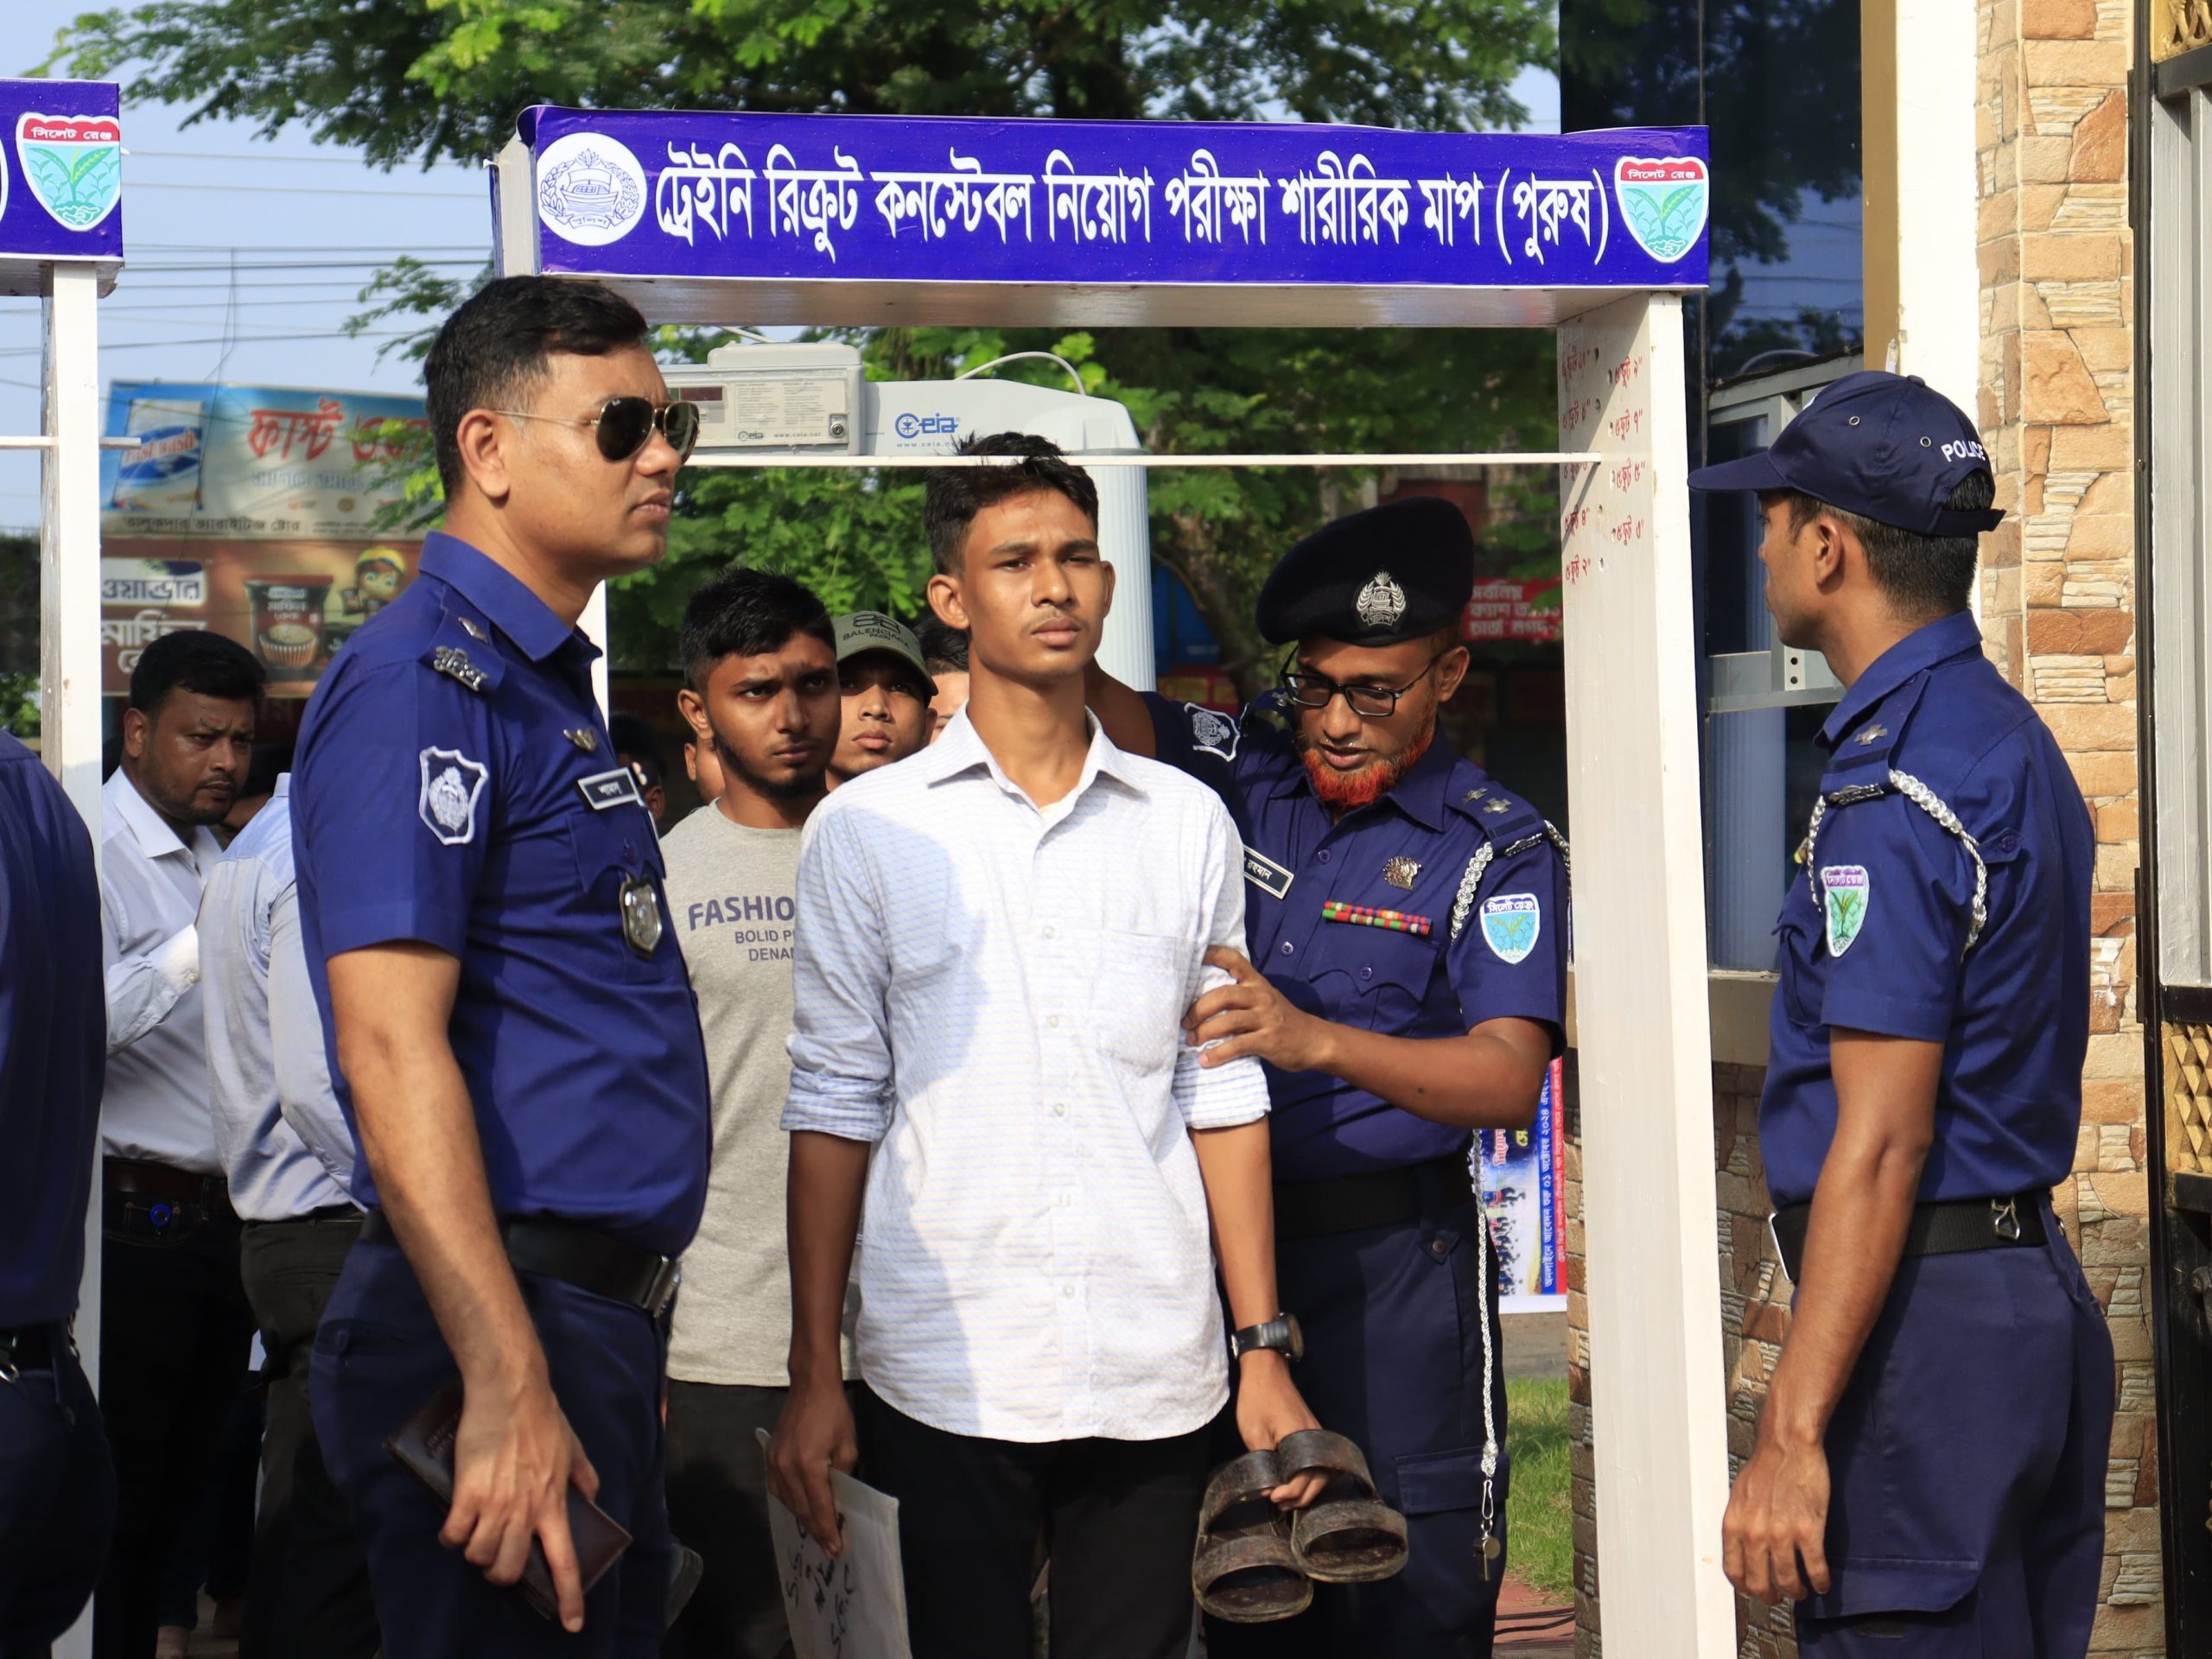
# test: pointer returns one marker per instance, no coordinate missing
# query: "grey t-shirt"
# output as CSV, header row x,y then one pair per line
x,y
729,889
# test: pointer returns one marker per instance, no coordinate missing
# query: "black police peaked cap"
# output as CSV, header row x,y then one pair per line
x,y
1400,571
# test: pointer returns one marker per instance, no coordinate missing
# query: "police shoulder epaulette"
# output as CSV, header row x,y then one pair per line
x,y
461,650
1510,826
1863,769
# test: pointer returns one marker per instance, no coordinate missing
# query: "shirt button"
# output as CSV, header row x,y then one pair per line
x,y
1051,933
1068,1291
1054,1020
1288,947
2011,843
1322,855
1367,973
1060,1110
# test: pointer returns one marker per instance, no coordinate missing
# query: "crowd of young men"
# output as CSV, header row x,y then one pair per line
x,y
1145,1044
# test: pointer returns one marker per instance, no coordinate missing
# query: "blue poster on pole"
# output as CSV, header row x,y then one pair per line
x,y
1521,1175
60,173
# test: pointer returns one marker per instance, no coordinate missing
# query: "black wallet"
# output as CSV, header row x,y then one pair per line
x,y
423,1446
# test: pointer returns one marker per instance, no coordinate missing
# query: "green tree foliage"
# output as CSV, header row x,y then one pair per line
x,y
425,80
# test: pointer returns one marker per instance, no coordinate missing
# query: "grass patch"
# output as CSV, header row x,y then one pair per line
x,y
1539,1513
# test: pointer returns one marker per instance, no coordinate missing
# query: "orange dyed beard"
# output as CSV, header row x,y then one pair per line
x,y
1343,792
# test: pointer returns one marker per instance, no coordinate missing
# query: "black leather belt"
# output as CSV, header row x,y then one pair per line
x,y
1381,1197
1944,1228
31,1348
575,1255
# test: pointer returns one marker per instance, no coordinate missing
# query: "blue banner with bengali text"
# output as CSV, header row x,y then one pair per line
x,y
706,196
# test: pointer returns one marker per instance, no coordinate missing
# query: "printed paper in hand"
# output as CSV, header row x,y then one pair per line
x,y
853,1607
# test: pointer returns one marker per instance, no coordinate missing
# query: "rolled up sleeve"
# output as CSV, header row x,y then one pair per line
x,y
840,1044
1220,1097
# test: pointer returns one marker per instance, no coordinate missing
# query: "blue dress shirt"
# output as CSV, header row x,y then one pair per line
x,y
1875,930
456,787
52,1040
1501,954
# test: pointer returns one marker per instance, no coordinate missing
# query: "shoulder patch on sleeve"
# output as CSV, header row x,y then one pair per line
x,y
1512,923
452,786
1212,732
1845,892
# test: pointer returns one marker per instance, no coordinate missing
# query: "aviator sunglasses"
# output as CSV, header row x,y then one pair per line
x,y
626,425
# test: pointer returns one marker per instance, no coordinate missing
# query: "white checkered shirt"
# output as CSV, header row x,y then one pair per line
x,y
992,993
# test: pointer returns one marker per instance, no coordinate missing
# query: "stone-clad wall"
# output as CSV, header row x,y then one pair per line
x,y
2058,606
2057,353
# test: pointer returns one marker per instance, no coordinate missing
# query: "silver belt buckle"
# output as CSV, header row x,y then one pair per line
x,y
2005,1218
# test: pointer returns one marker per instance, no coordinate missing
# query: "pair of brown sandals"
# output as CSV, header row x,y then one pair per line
x,y
1255,1563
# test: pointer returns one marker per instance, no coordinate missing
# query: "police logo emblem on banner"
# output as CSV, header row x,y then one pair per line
x,y
1845,890
1664,202
591,189
1512,923
1214,734
452,784
73,164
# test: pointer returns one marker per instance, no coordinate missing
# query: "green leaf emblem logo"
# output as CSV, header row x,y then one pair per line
x,y
1663,200
73,164
1846,891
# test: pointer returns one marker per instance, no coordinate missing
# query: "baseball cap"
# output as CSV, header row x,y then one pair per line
x,y
866,631
1884,446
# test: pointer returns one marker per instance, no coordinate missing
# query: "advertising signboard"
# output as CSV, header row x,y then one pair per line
x,y
254,512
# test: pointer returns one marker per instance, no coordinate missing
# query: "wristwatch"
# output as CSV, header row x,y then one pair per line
x,y
1281,1333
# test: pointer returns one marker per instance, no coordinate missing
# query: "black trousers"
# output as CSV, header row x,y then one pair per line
x,y
57,1504
175,1334
309,1595
1119,1518
718,1505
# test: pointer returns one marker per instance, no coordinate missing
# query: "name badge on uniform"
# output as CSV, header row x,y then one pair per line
x,y
605,789
640,914
1266,874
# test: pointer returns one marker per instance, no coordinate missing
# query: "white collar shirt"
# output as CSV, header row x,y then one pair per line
x,y
992,992
155,1103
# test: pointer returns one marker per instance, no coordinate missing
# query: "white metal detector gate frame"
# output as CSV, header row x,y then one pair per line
x,y
1649,1210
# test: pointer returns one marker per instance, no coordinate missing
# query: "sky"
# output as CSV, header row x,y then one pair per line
x,y
244,256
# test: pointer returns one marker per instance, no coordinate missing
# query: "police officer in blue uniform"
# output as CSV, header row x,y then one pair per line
x,y
57,1487
1928,1478
513,1033
1407,924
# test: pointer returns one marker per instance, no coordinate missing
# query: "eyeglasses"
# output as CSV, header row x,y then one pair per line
x,y
626,425
1368,701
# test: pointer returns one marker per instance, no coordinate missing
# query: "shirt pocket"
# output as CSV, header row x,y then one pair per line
x,y
611,848
1139,990
1802,959
1375,977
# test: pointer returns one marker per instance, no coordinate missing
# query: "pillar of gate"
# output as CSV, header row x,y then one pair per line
x,y
1644,1049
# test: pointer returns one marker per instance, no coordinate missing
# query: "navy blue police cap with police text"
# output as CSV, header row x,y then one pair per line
x,y
1883,446
1400,571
